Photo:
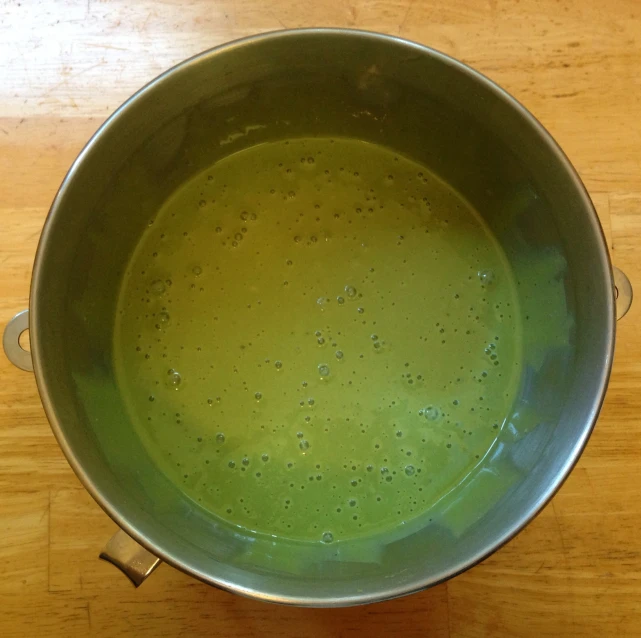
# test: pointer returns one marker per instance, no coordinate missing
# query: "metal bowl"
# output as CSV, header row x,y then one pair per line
x,y
336,83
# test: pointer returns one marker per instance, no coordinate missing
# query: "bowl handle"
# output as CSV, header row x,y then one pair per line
x,y
11,341
131,558
622,292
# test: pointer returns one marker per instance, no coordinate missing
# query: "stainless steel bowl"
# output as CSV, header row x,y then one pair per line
x,y
322,82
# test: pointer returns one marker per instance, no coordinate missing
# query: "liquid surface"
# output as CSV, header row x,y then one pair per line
x,y
317,339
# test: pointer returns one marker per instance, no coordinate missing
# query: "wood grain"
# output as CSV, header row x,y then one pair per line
x,y
66,65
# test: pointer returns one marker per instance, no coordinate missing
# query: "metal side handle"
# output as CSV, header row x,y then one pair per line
x,y
622,292
11,341
131,558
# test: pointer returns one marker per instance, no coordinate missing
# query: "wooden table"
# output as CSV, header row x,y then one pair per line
x,y
66,65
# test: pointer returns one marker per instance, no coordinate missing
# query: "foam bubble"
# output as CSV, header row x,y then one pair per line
x,y
431,413
486,277
327,537
174,379
157,287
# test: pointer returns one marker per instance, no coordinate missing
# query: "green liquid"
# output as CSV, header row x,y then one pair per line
x,y
317,339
